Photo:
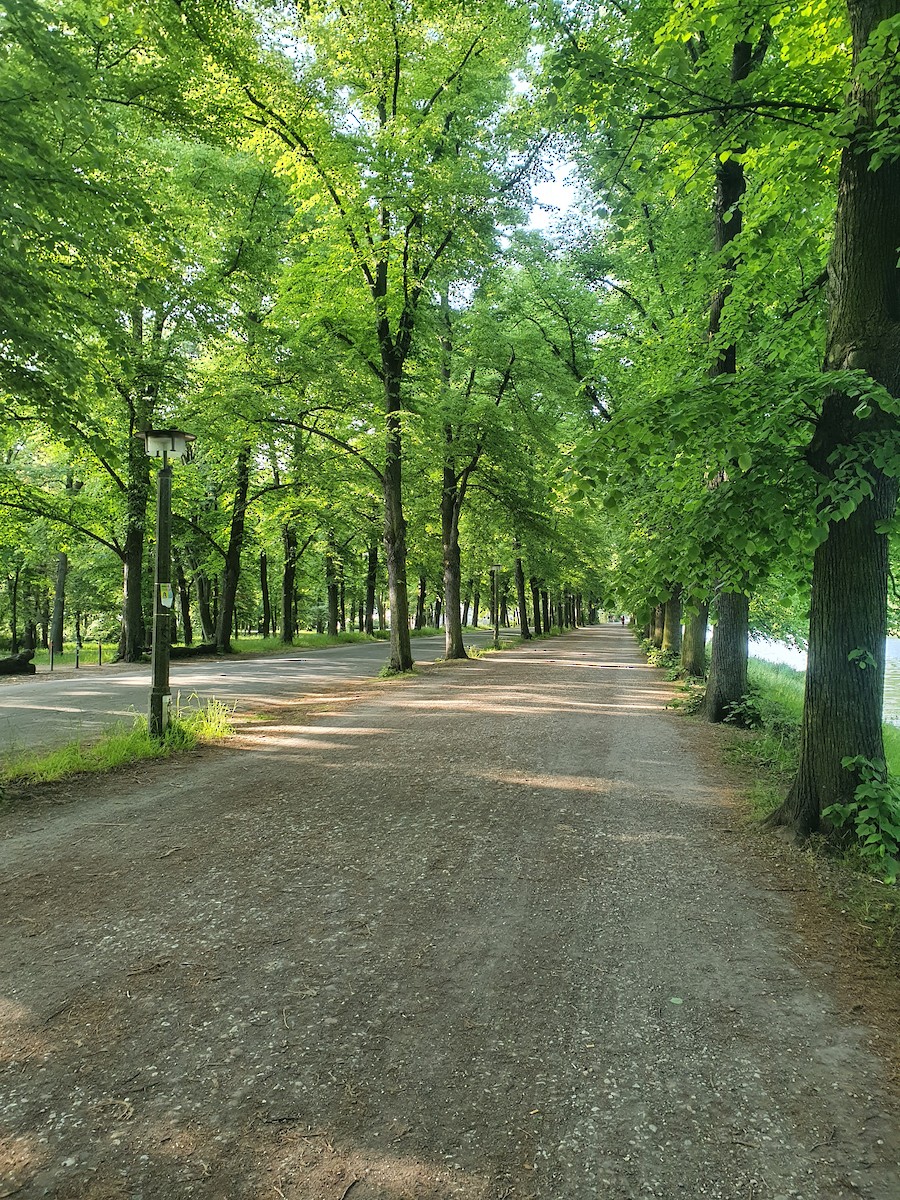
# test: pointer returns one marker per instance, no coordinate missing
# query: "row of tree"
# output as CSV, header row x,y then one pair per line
x,y
301,231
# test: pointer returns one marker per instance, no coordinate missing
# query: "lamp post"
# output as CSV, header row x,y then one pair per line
x,y
495,588
163,443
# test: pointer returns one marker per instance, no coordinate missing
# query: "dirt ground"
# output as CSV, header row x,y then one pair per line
x,y
494,933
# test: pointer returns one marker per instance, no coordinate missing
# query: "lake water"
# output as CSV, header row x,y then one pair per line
x,y
778,652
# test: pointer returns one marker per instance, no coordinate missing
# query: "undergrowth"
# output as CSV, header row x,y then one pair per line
x,y
863,849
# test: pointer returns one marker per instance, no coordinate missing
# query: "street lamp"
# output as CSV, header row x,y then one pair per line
x,y
164,444
495,577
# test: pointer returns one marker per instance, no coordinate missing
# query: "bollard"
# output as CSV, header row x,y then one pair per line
x,y
51,656
99,654
77,655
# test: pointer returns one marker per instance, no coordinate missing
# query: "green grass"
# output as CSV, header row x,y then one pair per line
x,y
87,657
189,727
771,749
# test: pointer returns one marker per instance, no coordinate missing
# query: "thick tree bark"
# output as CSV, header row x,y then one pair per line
x,y
59,603
536,606
476,601
545,609
842,709
232,570
693,648
264,588
728,662
671,641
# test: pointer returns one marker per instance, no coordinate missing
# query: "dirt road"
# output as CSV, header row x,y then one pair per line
x,y
485,934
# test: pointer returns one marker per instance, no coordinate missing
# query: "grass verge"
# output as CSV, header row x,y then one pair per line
x,y
769,745
189,727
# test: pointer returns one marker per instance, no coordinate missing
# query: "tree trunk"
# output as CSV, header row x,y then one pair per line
x,y
401,658
331,590
545,608
476,601
232,569
419,621
536,606
467,604
659,625
59,603
288,579
43,610
451,502
523,602
671,642
184,600
264,587
693,648
842,710
371,584
728,662
12,582
504,606
204,605
137,492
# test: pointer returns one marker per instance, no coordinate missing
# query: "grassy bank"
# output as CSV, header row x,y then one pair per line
x,y
854,874
189,727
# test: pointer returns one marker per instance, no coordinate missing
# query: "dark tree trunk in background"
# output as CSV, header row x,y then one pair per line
x,y
419,621
394,521
264,587
42,605
659,625
545,609
452,498
522,599
204,605
232,569
331,590
671,641
504,606
12,582
438,613
693,648
728,677
288,581
842,710
727,682
342,593
536,606
59,604
184,599
467,604
371,584
476,600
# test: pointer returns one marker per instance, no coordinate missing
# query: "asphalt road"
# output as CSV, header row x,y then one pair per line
x,y
49,710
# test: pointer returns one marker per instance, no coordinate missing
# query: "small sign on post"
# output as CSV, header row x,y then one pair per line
x,y
166,595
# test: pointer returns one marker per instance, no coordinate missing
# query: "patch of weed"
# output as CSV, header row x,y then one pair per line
x,y
188,727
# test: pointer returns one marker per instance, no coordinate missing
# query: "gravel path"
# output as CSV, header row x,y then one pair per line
x,y
484,934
